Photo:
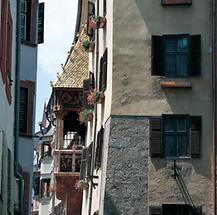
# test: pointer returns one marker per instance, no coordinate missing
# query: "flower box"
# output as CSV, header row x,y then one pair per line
x,y
95,97
85,115
88,45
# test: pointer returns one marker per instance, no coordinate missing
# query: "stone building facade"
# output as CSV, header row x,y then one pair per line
x,y
150,140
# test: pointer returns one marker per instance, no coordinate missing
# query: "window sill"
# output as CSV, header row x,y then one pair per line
x,y
177,158
25,135
176,2
175,84
25,42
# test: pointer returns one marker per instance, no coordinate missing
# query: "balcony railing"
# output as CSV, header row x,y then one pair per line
x,y
69,142
68,160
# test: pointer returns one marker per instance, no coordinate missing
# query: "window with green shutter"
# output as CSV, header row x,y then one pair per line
x,y
99,146
103,71
29,10
175,136
91,12
23,110
176,55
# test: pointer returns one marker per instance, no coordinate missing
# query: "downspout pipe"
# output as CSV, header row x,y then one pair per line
x,y
17,99
214,102
95,121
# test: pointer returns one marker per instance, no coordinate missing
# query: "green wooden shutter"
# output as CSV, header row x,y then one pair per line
x,y
3,36
99,148
101,74
86,89
41,23
23,110
83,170
92,80
105,60
155,136
157,53
9,184
195,47
103,71
104,7
89,159
33,21
195,136
1,159
155,210
91,12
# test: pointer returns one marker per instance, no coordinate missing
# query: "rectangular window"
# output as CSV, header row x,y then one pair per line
x,y
176,136
46,150
175,209
91,12
176,55
45,188
29,14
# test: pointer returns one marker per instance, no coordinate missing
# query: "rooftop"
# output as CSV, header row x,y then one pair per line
x,y
75,69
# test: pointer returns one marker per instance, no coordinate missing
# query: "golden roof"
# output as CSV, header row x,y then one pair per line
x,y
75,69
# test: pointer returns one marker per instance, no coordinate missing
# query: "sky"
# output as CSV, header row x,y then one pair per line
x,y
59,29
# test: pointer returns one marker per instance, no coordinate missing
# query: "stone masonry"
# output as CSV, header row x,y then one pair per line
x,y
126,188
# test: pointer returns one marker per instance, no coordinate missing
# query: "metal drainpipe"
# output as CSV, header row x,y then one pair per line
x,y
95,121
214,101
17,99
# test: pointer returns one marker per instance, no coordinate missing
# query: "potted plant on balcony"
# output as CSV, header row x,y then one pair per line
x,y
97,22
85,115
95,97
82,184
78,147
88,45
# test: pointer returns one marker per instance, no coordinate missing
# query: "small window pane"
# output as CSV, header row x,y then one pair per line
x,y
169,125
182,124
170,65
170,45
177,60
182,65
182,44
170,146
182,145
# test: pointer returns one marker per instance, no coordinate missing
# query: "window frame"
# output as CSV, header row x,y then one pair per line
x,y
42,188
176,117
176,53
30,87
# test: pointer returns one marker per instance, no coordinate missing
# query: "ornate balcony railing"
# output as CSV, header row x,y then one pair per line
x,y
68,160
